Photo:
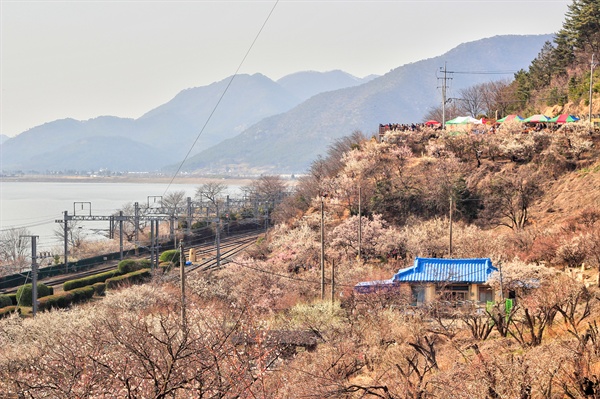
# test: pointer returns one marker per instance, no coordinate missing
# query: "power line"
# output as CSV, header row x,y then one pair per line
x,y
27,225
484,72
221,97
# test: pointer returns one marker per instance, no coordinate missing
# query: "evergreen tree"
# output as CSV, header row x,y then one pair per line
x,y
581,29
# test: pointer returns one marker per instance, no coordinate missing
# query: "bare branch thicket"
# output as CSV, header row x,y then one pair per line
x,y
15,248
509,198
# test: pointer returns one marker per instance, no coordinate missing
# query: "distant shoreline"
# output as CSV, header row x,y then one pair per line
x,y
237,181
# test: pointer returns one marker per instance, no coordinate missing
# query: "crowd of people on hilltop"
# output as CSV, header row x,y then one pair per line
x,y
405,127
480,129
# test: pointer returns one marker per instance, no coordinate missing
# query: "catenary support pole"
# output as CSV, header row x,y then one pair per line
x,y
136,221
182,277
152,245
189,215
120,235
66,232
34,275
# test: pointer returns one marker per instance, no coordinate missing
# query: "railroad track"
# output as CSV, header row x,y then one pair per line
x,y
234,249
229,246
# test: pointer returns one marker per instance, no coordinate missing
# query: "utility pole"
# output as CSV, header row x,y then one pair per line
x,y
450,246
332,282
359,222
592,65
444,100
322,251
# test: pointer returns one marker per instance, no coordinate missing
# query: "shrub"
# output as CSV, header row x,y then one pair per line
x,y
139,276
67,298
171,255
82,294
5,301
128,266
90,280
24,293
13,298
99,288
8,310
144,264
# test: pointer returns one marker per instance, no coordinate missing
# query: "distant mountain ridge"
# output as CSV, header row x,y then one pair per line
x,y
165,132
260,125
289,142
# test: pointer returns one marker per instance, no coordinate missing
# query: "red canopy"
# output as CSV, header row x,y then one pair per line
x,y
432,122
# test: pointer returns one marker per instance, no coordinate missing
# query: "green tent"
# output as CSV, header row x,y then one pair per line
x,y
511,117
537,118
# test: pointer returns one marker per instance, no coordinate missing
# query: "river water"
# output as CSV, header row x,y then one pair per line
x,y
37,205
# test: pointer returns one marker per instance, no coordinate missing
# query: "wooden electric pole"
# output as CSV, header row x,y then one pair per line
x,y
450,246
322,251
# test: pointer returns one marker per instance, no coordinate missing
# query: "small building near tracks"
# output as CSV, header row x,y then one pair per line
x,y
431,279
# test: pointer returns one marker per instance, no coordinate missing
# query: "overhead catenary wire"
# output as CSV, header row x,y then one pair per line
x,y
221,97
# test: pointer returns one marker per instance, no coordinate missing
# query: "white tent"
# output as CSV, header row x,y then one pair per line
x,y
464,120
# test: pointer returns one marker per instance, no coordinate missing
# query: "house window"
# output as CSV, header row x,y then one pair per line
x,y
418,294
485,294
458,292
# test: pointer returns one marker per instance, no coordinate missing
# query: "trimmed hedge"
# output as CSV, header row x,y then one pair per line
x,y
24,293
5,301
136,277
67,298
99,288
13,298
172,255
8,310
90,280
128,266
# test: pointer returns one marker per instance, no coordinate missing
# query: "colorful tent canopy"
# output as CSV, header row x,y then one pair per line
x,y
564,118
537,118
510,118
463,120
432,122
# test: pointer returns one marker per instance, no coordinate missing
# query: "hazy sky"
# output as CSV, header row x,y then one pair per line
x,y
82,59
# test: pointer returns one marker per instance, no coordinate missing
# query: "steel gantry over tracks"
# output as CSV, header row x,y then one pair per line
x,y
210,211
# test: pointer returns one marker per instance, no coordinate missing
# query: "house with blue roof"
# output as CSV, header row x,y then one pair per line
x,y
432,279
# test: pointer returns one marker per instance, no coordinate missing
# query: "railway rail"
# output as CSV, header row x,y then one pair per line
x,y
229,246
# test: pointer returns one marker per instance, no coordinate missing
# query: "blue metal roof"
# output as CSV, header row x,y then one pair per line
x,y
476,270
